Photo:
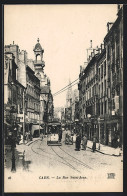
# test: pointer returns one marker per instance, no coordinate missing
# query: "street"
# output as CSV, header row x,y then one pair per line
x,y
63,163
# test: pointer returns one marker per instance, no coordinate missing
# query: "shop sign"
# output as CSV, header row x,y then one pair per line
x,y
113,113
21,116
109,138
116,102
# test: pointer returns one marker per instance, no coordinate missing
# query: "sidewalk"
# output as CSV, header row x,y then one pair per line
x,y
107,150
27,143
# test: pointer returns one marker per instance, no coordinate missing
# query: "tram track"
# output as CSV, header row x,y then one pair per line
x,y
66,160
80,162
65,163
74,159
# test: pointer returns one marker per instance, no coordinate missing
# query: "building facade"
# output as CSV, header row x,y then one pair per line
x,y
13,96
114,59
101,88
32,97
46,98
27,88
88,96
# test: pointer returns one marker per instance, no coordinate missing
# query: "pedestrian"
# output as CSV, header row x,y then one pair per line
x,y
94,144
84,142
78,142
60,135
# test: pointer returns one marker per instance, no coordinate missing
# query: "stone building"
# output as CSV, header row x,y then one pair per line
x,y
88,99
13,95
101,88
32,97
46,98
114,60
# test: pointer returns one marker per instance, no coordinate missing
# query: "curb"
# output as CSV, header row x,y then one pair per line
x,y
28,143
105,153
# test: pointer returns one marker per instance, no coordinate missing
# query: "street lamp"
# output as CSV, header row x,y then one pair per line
x,y
99,132
89,116
23,117
13,169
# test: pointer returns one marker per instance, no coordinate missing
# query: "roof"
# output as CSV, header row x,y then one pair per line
x,y
45,89
35,127
38,46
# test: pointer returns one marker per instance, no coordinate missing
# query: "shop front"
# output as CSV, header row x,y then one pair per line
x,y
113,133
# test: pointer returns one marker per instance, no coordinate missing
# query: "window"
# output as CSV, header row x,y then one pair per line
x,y
102,89
99,90
99,109
105,107
108,51
102,108
105,85
104,68
102,71
117,52
99,73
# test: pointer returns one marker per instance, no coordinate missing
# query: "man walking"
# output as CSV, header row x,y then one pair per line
x,y
84,142
94,144
78,142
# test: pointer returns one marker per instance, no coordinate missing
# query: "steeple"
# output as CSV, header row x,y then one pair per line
x,y
69,95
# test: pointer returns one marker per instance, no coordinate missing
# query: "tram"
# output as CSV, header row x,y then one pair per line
x,y
54,133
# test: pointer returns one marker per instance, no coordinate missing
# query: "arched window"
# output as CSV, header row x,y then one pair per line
x,y
38,57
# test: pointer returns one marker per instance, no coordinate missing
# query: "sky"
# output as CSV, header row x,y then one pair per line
x,y
64,31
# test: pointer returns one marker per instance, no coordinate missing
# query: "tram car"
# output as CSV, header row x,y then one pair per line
x,y
54,134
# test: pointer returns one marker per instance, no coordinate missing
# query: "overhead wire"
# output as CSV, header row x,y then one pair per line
x,y
65,87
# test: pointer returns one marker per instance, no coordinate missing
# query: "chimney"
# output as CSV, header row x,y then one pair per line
x,y
102,47
90,58
109,25
118,7
80,69
92,54
85,64
96,51
13,43
90,43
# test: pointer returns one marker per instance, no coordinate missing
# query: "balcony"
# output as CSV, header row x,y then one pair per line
x,y
118,77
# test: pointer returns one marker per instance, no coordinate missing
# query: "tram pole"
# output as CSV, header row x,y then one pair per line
x,y
23,119
39,119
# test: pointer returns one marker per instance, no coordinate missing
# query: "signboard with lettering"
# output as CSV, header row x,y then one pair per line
x,y
116,102
21,116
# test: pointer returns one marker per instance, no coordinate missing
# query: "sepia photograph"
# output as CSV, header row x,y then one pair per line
x,y
63,98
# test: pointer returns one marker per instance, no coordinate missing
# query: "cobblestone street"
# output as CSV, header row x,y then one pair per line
x,y
42,162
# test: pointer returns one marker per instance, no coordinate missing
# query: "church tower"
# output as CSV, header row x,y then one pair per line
x,y
39,65
45,91
69,95
38,51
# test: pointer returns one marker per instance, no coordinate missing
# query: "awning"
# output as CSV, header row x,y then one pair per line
x,y
6,123
19,125
35,127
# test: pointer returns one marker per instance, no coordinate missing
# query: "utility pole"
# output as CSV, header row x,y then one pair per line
x,y
13,168
99,132
39,117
